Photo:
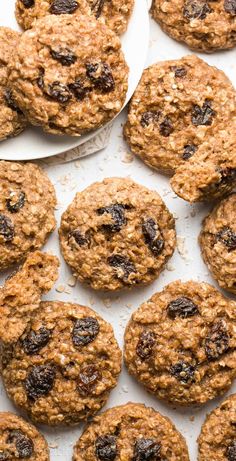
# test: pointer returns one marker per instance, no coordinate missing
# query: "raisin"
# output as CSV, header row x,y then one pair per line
x,y
79,89
166,127
105,447
85,331
97,8
79,238
64,55
230,7
63,6
217,341
101,76
149,117
203,115
10,101
124,267
40,381
28,3
152,236
231,451
35,341
24,444
182,307
179,71
228,175
189,150
196,9
15,202
117,212
146,344
40,79
183,372
227,237
6,228
59,92
88,379
146,450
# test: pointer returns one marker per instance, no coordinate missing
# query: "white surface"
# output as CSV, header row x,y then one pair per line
x,y
68,179
33,143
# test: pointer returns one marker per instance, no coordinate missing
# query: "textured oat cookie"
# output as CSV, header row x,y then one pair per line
x,y
201,24
176,111
27,202
181,343
21,440
64,366
218,242
69,74
117,234
115,13
217,440
131,432
12,120
21,294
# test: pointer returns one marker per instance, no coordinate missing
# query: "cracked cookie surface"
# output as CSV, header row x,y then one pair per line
x,y
217,439
177,110
27,206
218,242
117,234
201,24
64,366
21,440
69,75
180,344
115,13
12,120
131,432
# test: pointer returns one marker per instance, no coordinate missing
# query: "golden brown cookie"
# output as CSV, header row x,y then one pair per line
x,y
131,432
181,343
27,203
117,234
64,366
12,120
176,112
217,440
204,25
218,243
21,440
115,13
69,74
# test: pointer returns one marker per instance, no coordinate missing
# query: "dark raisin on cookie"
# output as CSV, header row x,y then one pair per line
x,y
227,237
6,228
146,344
123,266
24,445
152,236
101,76
8,96
64,55
97,7
36,340
230,7
203,115
183,372
182,307
63,6
40,79
189,150
217,341
15,202
105,447
231,451
166,127
79,238
146,450
117,212
59,92
228,175
85,331
79,88
40,381
180,72
149,117
88,378
28,3
196,9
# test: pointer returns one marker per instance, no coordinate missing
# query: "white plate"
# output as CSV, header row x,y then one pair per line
x,y
33,143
